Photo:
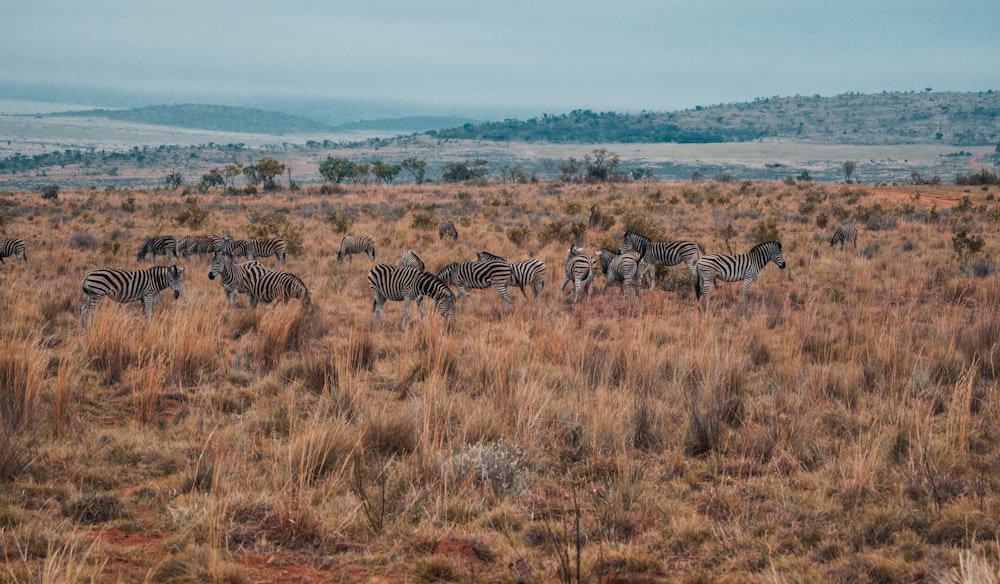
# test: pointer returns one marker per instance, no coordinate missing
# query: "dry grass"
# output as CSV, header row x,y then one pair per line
x,y
841,426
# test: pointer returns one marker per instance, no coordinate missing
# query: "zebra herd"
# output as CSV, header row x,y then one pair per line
x,y
258,282
408,281
625,267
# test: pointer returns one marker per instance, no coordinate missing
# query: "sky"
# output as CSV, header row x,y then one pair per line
x,y
528,57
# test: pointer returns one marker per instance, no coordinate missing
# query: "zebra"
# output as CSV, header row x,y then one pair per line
x,y
410,259
844,234
579,270
447,229
267,286
128,286
353,244
389,282
234,277
623,268
13,246
257,248
199,244
478,275
529,272
662,253
735,268
164,245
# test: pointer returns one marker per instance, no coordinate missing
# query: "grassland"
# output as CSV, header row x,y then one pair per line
x,y
841,426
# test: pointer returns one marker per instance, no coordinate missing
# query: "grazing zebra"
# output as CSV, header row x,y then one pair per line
x,y
389,282
234,277
353,244
662,253
844,234
208,243
623,268
268,286
447,229
164,245
410,259
529,272
579,269
128,286
252,249
478,275
13,246
735,268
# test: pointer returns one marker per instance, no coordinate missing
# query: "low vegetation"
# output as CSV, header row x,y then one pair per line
x,y
841,426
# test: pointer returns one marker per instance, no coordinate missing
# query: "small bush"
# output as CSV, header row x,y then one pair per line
x,y
423,221
519,234
50,193
84,241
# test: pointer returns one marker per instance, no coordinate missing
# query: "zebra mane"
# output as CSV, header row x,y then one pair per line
x,y
765,244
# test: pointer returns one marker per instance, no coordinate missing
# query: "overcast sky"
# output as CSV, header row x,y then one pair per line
x,y
542,56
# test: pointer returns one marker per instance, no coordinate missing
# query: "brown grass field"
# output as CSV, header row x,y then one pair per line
x,y
840,426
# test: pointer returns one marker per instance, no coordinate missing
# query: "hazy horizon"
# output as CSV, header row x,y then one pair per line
x,y
480,59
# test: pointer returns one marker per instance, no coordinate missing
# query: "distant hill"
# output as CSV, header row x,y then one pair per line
x,y
407,124
959,119
217,118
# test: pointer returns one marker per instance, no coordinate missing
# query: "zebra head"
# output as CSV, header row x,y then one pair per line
x,y
221,264
176,276
447,273
606,255
142,250
773,249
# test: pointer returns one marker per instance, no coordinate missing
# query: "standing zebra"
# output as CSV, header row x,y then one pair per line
x,y
410,259
208,243
623,268
128,286
257,248
389,282
662,253
478,275
447,229
164,245
529,272
735,268
268,286
579,269
13,246
353,244
235,278
844,234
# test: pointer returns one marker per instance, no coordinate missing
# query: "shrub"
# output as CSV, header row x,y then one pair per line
x,y
519,234
275,225
766,230
423,221
50,192
563,232
192,216
83,241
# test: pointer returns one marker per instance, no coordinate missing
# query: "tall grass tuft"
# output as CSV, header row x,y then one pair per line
x,y
22,369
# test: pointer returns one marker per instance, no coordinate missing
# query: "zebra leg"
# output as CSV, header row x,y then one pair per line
x,y
377,305
406,311
420,307
147,306
505,294
87,312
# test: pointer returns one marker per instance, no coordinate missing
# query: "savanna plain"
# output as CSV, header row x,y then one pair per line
x,y
839,425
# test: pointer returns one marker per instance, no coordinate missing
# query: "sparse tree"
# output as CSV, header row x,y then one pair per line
x,y
384,171
849,167
602,165
174,180
474,170
336,170
417,168
231,171
264,172
569,170
212,178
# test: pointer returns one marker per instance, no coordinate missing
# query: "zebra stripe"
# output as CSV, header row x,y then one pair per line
x,y
164,245
623,269
662,253
128,286
256,248
199,244
478,275
388,282
529,272
268,286
234,277
728,268
579,270
844,234
353,244
447,229
13,246
410,259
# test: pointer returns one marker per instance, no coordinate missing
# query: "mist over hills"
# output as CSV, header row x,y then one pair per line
x,y
960,119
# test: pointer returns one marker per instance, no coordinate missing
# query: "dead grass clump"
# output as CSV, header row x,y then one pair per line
x,y
22,369
280,330
390,433
96,508
361,351
318,449
111,346
202,563
15,455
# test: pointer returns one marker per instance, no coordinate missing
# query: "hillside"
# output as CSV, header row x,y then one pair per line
x,y
217,118
959,119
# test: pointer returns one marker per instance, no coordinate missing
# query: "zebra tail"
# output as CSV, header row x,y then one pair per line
x,y
698,277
